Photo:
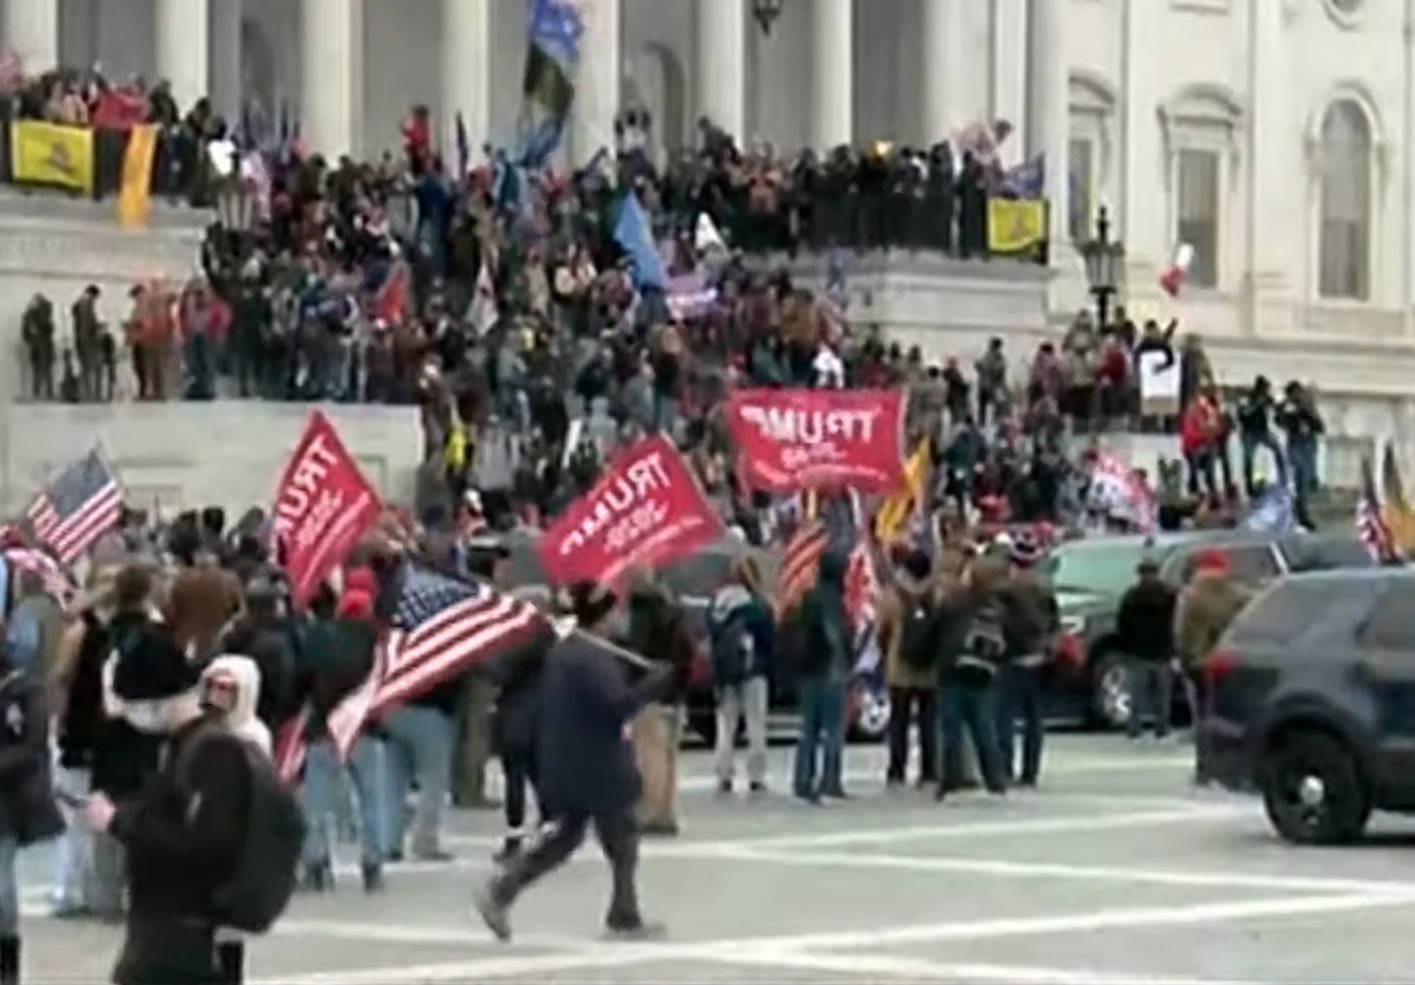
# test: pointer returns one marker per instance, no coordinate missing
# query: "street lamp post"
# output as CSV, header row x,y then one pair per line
x,y
1104,258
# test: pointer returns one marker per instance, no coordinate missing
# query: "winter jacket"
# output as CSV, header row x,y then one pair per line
x,y
1031,619
894,606
828,644
659,631
183,835
27,810
269,645
1145,624
1205,608
337,658
586,765
1199,427
735,602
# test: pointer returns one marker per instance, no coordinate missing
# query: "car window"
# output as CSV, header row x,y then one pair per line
x,y
1391,622
1250,564
1286,611
1310,553
1102,570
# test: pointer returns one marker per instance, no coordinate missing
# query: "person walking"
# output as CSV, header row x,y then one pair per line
x,y
1031,619
909,638
825,665
1144,630
658,630
27,810
741,635
587,771
1255,410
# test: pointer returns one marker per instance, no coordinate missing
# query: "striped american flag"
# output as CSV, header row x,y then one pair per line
x,y
800,564
1371,526
56,581
77,508
441,627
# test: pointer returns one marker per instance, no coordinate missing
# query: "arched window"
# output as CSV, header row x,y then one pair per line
x,y
1346,202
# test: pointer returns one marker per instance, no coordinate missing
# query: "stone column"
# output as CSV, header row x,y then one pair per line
x,y
722,64
832,117
1048,122
939,103
466,81
182,40
1273,233
32,31
225,56
599,79
331,82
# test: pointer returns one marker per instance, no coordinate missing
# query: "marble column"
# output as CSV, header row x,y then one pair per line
x,y
32,32
598,81
722,64
1274,225
466,79
940,103
182,40
832,109
1048,112
225,56
331,87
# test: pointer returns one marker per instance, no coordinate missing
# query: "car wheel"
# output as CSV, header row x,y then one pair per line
x,y
1313,793
871,718
1111,700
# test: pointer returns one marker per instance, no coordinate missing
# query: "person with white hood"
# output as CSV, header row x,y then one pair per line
x,y
230,685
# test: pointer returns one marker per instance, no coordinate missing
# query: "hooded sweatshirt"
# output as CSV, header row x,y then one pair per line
x,y
242,719
828,649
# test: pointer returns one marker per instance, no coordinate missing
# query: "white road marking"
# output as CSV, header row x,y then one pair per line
x,y
910,969
765,949
1084,873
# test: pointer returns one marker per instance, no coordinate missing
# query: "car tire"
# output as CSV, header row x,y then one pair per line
x,y
1313,791
1111,700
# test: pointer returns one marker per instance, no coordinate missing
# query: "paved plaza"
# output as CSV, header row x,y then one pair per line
x,y
1114,871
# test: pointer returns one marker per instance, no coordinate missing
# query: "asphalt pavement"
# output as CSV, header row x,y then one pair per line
x,y
1114,871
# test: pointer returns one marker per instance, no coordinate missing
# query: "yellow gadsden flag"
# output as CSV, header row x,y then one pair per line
x,y
1016,225
135,192
49,154
894,511
1396,512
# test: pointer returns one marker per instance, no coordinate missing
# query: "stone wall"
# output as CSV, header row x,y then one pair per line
x,y
189,455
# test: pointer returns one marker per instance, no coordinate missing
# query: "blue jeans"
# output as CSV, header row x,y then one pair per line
x,y
73,854
973,707
199,367
9,895
822,704
1151,689
419,744
1021,696
322,788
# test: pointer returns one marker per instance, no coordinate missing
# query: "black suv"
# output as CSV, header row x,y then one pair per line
x,y
1311,699
1089,577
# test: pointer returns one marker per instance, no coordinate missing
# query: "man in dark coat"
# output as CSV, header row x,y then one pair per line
x,y
1144,627
586,771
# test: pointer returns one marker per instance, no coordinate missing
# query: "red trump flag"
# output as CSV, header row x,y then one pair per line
x,y
803,439
645,509
323,505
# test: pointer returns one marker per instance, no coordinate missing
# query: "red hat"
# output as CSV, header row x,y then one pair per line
x,y
360,579
356,604
1211,559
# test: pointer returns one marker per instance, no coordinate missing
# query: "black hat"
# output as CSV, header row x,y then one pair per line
x,y
590,603
153,669
918,565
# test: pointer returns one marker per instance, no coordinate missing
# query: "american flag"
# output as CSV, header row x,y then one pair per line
x,y
1370,524
77,508
440,628
56,582
800,563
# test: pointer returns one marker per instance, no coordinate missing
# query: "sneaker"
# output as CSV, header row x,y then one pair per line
x,y
496,916
724,787
659,829
758,788
509,849
319,877
640,932
838,794
373,877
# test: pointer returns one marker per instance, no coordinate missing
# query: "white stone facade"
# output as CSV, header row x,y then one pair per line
x,y
1275,134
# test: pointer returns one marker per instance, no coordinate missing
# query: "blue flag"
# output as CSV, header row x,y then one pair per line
x,y
631,232
548,87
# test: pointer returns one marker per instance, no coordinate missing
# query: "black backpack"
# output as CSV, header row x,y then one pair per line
x,y
984,642
732,648
266,869
918,631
